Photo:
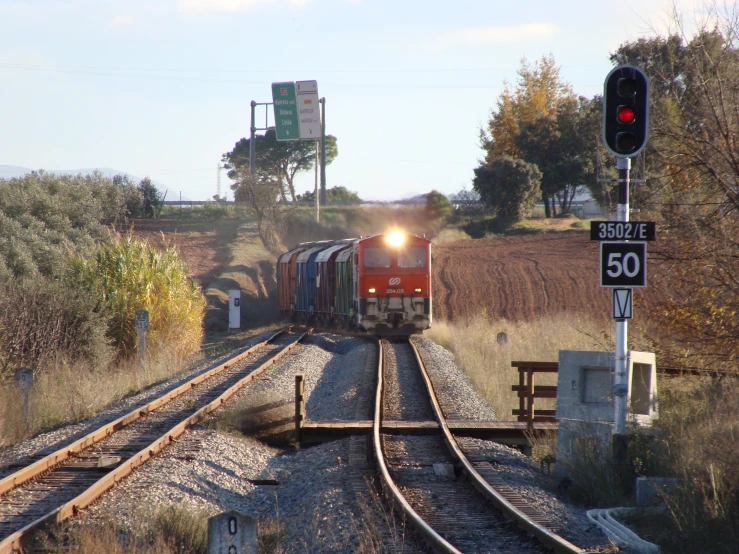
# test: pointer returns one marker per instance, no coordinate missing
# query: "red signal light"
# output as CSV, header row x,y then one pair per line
x,y
625,114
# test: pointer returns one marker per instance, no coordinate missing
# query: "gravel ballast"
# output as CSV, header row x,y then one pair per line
x,y
321,496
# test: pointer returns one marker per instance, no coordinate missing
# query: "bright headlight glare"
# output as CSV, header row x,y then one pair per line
x,y
372,290
418,291
395,238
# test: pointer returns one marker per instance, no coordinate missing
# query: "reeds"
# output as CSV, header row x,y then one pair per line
x,y
127,275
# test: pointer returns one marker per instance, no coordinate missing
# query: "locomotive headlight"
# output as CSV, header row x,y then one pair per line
x,y
372,290
417,291
395,238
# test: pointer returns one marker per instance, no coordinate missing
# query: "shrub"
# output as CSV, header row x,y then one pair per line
x,y
127,275
41,320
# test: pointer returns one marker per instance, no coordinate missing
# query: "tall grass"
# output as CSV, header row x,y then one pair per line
x,y
484,349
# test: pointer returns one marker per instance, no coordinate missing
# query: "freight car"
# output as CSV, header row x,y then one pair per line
x,y
380,284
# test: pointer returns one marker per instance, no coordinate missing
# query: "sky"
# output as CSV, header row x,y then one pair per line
x,y
162,88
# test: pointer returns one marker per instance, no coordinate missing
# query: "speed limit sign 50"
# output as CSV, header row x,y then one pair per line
x,y
623,264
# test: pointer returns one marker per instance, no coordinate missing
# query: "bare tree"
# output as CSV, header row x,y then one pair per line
x,y
261,194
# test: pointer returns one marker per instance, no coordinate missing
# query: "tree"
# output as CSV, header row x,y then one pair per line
x,y
334,194
261,195
538,94
153,200
438,206
563,148
133,198
277,159
692,187
543,122
509,187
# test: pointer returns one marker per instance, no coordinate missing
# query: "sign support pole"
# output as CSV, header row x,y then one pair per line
x,y
620,376
317,190
323,150
252,137
621,369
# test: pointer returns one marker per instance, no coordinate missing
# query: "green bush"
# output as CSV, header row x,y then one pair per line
x,y
44,217
127,275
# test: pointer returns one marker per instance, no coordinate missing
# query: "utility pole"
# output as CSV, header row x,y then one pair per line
x,y
218,182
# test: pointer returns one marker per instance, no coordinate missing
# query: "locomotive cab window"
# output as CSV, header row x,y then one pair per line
x,y
412,256
377,257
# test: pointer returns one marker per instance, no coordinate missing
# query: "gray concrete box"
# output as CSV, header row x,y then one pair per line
x,y
585,401
585,385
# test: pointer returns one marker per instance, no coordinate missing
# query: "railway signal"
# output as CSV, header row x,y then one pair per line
x,y
623,264
625,111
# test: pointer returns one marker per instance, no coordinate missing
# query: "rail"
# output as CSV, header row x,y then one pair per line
x,y
433,539
16,541
437,543
544,535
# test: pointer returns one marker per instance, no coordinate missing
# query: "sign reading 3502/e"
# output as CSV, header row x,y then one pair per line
x,y
623,230
623,264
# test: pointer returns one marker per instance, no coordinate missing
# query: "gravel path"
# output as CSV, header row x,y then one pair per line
x,y
324,501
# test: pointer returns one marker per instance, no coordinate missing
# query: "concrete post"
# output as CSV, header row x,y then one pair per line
x,y
24,382
232,533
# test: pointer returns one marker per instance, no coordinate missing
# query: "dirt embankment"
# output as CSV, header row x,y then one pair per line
x,y
221,255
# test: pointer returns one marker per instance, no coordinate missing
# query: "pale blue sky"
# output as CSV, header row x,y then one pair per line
x,y
162,87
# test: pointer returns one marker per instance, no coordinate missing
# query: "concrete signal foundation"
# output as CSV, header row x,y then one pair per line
x,y
585,400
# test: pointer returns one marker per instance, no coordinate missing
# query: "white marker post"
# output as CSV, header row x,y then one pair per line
x,y
142,326
234,309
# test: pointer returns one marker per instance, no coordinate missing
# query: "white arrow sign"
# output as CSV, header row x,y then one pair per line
x,y
309,114
622,306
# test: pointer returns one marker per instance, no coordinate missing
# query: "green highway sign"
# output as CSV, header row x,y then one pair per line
x,y
286,111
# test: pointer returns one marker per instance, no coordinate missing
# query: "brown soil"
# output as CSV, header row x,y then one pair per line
x,y
204,252
518,277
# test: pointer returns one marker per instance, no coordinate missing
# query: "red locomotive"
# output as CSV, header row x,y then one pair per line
x,y
381,284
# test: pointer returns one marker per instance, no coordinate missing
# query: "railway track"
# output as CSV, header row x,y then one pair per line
x,y
56,486
419,473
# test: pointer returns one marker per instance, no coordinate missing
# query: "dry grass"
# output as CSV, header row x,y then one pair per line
x,y
71,392
486,359
174,529
450,234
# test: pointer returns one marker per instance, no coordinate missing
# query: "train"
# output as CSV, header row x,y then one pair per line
x,y
379,284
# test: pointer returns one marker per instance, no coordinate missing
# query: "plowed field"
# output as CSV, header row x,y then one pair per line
x,y
518,277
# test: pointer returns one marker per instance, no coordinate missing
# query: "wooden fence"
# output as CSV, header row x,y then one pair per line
x,y
528,391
